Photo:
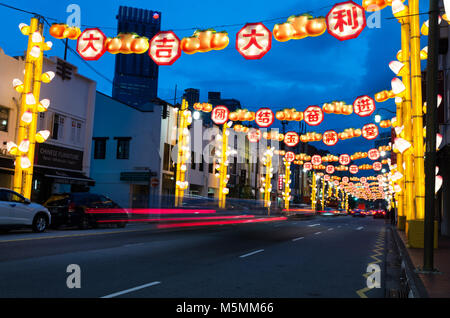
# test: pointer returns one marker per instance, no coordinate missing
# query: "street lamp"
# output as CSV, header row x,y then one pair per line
x,y
196,115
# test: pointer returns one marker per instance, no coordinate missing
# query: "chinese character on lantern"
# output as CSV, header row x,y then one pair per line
x,y
330,138
364,106
345,179
379,177
330,169
91,44
377,166
219,115
165,48
370,131
254,135
326,177
346,20
344,159
289,156
291,139
313,115
253,41
316,160
363,179
307,166
353,169
373,154
264,117
336,183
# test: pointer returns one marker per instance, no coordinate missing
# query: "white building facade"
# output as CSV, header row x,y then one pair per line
x,y
62,163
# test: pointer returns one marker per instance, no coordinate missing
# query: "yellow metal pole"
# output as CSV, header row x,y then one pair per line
x,y
323,194
407,123
179,190
287,189
313,191
223,168
416,78
22,131
26,191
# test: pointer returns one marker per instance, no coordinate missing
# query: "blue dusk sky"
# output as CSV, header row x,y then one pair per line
x,y
295,74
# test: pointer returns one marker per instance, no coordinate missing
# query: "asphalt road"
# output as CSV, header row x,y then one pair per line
x,y
315,258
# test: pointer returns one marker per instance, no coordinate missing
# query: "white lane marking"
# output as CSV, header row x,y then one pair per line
x,y
317,233
298,238
131,290
339,226
330,229
251,253
360,228
312,225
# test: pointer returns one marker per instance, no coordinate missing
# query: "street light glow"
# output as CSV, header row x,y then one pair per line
x,y
377,118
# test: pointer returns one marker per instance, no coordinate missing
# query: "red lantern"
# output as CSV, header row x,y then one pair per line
x,y
253,41
346,20
219,115
254,135
353,169
291,139
316,160
370,131
165,48
313,115
91,44
373,154
364,106
289,156
264,117
330,138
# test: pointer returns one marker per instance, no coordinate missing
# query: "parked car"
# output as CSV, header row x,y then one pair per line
x,y
19,212
379,214
85,210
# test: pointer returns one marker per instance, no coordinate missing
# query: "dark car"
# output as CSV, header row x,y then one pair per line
x,y
85,210
358,212
328,212
379,214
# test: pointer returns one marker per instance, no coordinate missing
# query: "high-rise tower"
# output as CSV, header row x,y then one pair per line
x,y
136,75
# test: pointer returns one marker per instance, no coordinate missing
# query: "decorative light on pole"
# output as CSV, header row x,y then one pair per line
x,y
267,179
30,89
287,182
184,120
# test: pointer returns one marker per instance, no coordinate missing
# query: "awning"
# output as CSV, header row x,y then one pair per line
x,y
67,177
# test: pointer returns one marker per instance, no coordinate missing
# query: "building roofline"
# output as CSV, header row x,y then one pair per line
x,y
134,107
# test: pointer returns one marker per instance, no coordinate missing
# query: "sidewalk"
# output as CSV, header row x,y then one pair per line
x,y
436,285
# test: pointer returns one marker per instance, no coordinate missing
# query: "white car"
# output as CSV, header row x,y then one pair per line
x,y
18,212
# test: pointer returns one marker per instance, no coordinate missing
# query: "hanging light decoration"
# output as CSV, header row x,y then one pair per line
x,y
42,136
24,146
12,148
25,162
27,117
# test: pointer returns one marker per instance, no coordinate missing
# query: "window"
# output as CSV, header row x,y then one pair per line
x,y
42,121
75,136
58,127
193,160
4,116
100,147
200,165
167,160
123,147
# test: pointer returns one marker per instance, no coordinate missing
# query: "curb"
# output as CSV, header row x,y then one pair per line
x,y
414,285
